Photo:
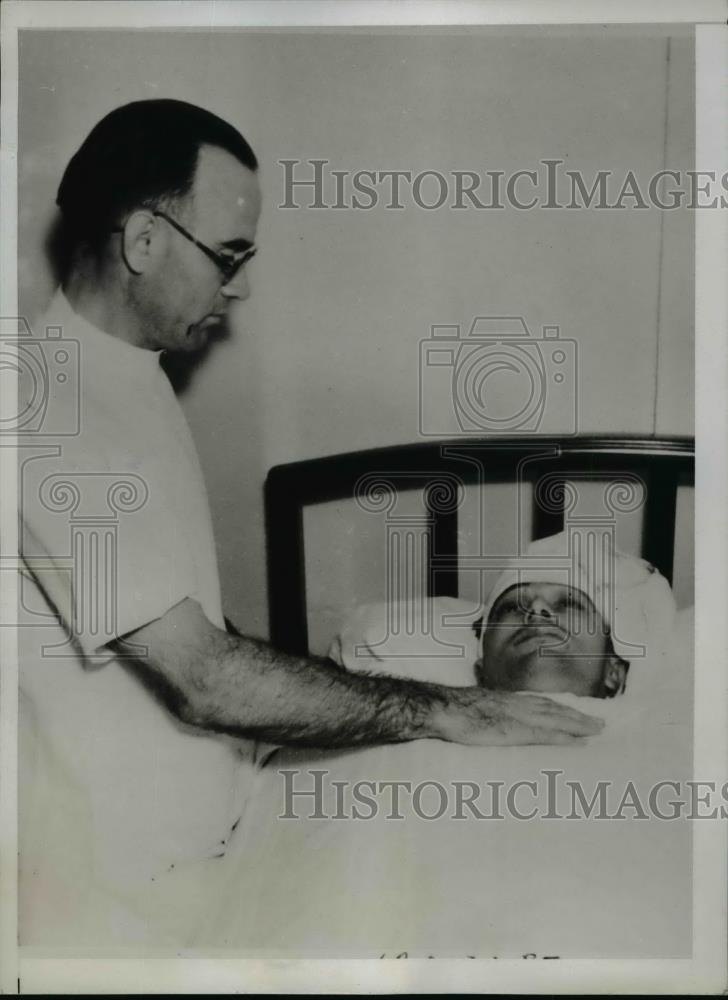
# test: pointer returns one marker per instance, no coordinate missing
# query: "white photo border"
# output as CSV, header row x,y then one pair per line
x,y
220,973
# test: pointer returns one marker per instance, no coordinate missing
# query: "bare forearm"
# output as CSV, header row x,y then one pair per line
x,y
248,688
233,684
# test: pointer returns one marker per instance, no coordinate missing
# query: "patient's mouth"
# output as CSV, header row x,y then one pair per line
x,y
537,633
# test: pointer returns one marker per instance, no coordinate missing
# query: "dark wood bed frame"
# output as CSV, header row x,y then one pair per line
x,y
661,463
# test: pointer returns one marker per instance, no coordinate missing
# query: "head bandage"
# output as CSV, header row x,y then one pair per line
x,y
634,600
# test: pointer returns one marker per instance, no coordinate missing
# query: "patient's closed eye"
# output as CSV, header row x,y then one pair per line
x,y
509,606
569,601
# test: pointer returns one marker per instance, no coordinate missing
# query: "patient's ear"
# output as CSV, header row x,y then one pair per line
x,y
614,680
480,678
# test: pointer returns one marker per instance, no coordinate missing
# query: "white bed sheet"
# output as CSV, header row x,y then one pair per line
x,y
546,888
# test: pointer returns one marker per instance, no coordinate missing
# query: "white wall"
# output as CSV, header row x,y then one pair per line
x,y
325,358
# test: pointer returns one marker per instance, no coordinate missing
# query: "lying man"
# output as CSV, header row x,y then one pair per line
x,y
551,628
553,623
548,637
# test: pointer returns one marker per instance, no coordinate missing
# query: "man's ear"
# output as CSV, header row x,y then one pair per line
x,y
615,676
481,678
138,240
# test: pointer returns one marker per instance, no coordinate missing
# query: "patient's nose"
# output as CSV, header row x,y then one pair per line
x,y
540,608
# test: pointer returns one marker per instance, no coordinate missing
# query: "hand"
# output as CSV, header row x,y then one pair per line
x,y
496,718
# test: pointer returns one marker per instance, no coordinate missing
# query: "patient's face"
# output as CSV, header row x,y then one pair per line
x,y
545,637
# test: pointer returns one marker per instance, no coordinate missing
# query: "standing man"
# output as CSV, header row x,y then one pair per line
x,y
137,735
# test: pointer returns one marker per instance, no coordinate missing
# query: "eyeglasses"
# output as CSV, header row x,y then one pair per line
x,y
227,263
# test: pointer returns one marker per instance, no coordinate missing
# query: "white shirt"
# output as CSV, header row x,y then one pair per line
x,y
115,531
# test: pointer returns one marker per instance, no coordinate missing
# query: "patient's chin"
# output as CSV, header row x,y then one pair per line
x,y
545,673
581,687
554,678
542,674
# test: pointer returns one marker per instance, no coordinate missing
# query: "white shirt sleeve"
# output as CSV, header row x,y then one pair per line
x,y
115,523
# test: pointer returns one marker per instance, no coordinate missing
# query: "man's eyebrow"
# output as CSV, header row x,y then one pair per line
x,y
238,245
579,596
514,592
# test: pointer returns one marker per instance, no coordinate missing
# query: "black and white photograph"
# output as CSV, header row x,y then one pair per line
x,y
355,543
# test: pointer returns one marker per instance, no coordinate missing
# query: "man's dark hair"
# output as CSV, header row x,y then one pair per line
x,y
142,154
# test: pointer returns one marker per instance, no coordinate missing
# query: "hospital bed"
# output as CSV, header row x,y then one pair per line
x,y
547,887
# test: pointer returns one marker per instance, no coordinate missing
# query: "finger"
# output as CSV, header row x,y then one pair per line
x,y
573,713
585,725
549,705
546,706
537,700
543,735
552,713
581,725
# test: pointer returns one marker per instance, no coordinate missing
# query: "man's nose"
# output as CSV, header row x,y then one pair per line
x,y
540,608
238,287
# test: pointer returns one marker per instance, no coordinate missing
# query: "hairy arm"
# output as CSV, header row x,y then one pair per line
x,y
244,687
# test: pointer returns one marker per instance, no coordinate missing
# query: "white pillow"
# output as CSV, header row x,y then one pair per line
x,y
434,640
427,640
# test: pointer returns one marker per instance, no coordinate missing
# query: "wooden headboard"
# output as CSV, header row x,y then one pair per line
x,y
659,464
